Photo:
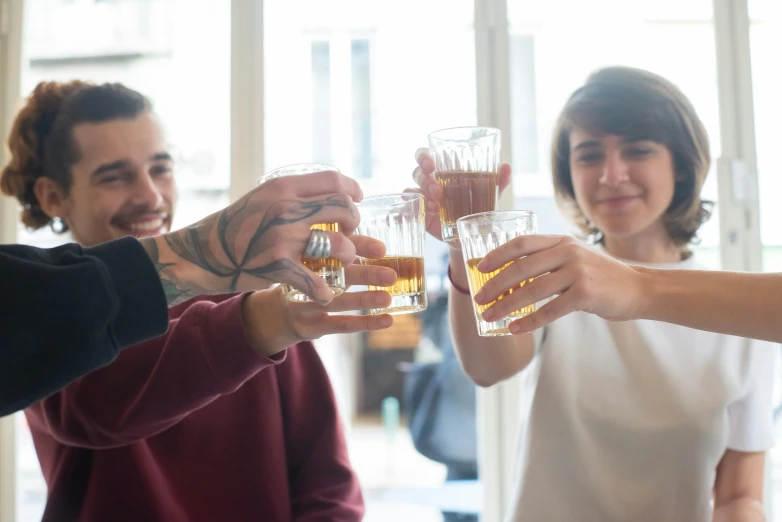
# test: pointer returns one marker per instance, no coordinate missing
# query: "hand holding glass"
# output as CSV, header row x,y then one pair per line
x,y
479,235
330,269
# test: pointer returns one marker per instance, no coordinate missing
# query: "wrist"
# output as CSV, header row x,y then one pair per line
x,y
186,272
457,286
648,293
179,279
457,273
265,320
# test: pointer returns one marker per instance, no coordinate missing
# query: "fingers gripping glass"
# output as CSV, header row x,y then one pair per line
x,y
479,235
316,255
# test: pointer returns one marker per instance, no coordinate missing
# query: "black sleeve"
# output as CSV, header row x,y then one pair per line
x,y
67,311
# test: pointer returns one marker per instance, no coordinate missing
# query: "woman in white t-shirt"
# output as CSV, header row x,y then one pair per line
x,y
634,420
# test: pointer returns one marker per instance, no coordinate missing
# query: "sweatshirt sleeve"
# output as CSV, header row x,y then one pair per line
x,y
69,310
323,484
154,385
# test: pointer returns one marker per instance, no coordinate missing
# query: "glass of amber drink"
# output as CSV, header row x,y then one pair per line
x,y
467,167
398,220
480,234
330,270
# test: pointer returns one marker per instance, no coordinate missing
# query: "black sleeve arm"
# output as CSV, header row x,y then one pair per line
x,y
67,311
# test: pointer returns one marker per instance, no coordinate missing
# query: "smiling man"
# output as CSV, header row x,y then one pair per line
x,y
70,310
140,222
230,415
105,198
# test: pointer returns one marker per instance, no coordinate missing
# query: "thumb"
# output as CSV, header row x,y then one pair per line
x,y
433,225
506,174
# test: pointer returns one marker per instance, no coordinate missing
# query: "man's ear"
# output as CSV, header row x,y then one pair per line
x,y
51,197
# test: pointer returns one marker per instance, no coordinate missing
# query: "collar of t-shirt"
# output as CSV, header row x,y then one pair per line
x,y
690,263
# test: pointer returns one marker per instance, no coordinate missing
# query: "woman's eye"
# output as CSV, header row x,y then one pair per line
x,y
160,171
589,158
110,179
639,152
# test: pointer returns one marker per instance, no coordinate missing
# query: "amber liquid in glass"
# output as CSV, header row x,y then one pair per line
x,y
409,272
408,294
466,193
478,279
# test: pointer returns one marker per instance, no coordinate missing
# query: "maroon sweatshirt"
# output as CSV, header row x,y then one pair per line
x,y
195,426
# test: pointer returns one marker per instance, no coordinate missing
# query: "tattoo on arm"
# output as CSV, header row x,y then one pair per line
x,y
174,294
192,243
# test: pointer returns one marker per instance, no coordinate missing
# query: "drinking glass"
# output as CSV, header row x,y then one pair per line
x,y
467,167
398,220
480,234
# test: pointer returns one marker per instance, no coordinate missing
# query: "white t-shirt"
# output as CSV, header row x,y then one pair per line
x,y
628,421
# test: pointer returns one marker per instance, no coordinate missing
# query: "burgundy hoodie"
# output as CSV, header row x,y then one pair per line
x,y
196,427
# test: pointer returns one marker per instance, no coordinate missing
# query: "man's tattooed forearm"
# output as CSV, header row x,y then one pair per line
x,y
174,294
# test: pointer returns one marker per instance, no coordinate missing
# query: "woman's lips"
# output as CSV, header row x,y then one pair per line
x,y
618,202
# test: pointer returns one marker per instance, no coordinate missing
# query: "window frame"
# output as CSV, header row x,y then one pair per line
x,y
11,12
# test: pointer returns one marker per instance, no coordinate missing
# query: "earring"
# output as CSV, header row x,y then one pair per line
x,y
57,225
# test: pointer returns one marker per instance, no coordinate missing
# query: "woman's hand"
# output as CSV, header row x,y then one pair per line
x,y
272,323
581,278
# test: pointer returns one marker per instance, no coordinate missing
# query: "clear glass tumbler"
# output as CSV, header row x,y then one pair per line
x,y
467,167
398,220
480,234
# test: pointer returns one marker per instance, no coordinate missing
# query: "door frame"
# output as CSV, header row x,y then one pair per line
x,y
11,17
